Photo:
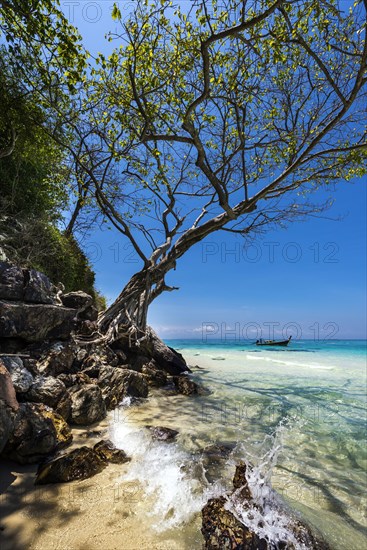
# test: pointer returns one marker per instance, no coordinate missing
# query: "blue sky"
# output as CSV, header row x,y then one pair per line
x,y
308,280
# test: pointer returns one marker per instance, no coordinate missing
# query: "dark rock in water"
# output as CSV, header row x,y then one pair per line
x,y
116,383
212,458
52,392
221,530
38,288
160,433
81,463
153,375
106,450
21,377
38,431
59,358
11,282
87,405
186,386
77,300
8,406
35,322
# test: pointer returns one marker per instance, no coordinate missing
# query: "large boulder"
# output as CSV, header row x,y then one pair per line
x,y
52,392
78,464
154,348
38,432
38,288
58,359
21,377
11,282
116,383
77,300
87,404
35,322
8,406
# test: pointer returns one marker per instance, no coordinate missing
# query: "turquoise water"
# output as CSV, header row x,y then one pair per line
x,y
296,414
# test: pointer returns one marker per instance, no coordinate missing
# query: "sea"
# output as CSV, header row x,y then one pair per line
x,y
295,415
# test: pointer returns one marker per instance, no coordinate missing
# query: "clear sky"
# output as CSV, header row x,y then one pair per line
x,y
308,280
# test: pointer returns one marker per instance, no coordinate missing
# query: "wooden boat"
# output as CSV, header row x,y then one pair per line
x,y
283,343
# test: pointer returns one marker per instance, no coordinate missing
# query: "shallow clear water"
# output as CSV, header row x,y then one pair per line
x,y
298,415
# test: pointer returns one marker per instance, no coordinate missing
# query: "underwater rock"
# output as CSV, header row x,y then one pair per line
x,y
160,433
186,386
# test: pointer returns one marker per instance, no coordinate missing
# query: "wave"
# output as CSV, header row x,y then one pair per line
x,y
290,363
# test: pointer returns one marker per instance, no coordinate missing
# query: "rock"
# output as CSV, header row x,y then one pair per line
x,y
137,362
81,463
35,322
160,433
167,358
38,432
153,375
116,383
86,328
21,377
221,530
213,457
8,406
11,282
89,314
106,450
77,300
87,404
186,386
52,392
58,359
79,379
38,288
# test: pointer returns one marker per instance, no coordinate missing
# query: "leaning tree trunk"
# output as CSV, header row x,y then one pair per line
x,y
124,323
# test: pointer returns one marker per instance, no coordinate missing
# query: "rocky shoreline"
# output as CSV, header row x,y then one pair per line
x,y
54,376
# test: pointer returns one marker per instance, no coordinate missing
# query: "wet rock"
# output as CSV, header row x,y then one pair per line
x,y
213,457
116,383
77,300
35,322
81,463
38,431
21,377
240,481
52,392
38,288
87,404
59,358
8,406
107,451
186,386
160,433
11,282
221,530
153,375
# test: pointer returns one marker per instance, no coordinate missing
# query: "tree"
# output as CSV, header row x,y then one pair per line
x,y
225,118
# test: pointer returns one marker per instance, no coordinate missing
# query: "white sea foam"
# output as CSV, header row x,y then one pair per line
x,y
176,485
289,363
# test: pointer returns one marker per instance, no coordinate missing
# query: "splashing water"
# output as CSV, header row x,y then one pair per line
x,y
266,514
